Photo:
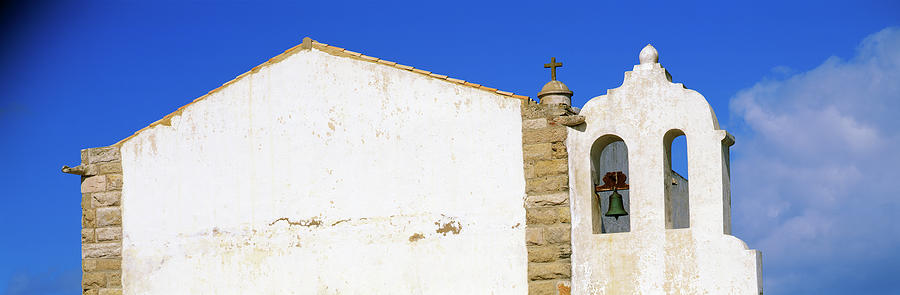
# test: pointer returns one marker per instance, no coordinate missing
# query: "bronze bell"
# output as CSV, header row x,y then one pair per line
x,y
616,206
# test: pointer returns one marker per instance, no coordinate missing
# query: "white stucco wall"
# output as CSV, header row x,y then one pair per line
x,y
322,174
650,259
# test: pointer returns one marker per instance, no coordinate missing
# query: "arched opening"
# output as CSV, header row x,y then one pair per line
x,y
608,154
676,180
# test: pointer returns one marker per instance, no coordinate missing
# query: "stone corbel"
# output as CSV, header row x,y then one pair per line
x,y
77,170
567,116
569,120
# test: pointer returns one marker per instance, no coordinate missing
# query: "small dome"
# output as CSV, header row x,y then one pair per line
x,y
555,87
555,92
649,55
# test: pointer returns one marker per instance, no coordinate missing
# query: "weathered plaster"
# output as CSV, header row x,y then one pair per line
x,y
650,259
325,174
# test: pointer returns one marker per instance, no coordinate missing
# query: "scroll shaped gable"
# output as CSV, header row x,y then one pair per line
x,y
648,92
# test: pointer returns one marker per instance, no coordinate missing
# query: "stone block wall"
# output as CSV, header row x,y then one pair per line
x,y
548,221
101,221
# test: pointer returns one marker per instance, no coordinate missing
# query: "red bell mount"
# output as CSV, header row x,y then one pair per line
x,y
612,181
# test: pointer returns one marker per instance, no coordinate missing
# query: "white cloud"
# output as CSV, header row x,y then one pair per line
x,y
817,172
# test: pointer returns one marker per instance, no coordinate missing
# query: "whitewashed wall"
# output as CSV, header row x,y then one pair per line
x,y
328,175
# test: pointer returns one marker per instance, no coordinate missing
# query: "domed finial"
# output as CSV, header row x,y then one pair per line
x,y
555,92
649,55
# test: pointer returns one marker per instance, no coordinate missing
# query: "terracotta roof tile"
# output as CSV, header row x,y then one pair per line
x,y
456,80
390,63
352,53
369,58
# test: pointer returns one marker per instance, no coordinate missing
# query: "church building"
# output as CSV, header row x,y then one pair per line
x,y
327,171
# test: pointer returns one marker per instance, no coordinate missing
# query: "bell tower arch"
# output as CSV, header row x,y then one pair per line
x,y
677,242
609,159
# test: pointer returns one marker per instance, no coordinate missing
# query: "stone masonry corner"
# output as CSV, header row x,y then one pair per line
x,y
548,220
101,220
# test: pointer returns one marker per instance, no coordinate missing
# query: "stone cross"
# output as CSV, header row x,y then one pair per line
x,y
552,66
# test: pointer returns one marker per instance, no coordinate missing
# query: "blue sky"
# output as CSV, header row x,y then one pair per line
x,y
808,88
